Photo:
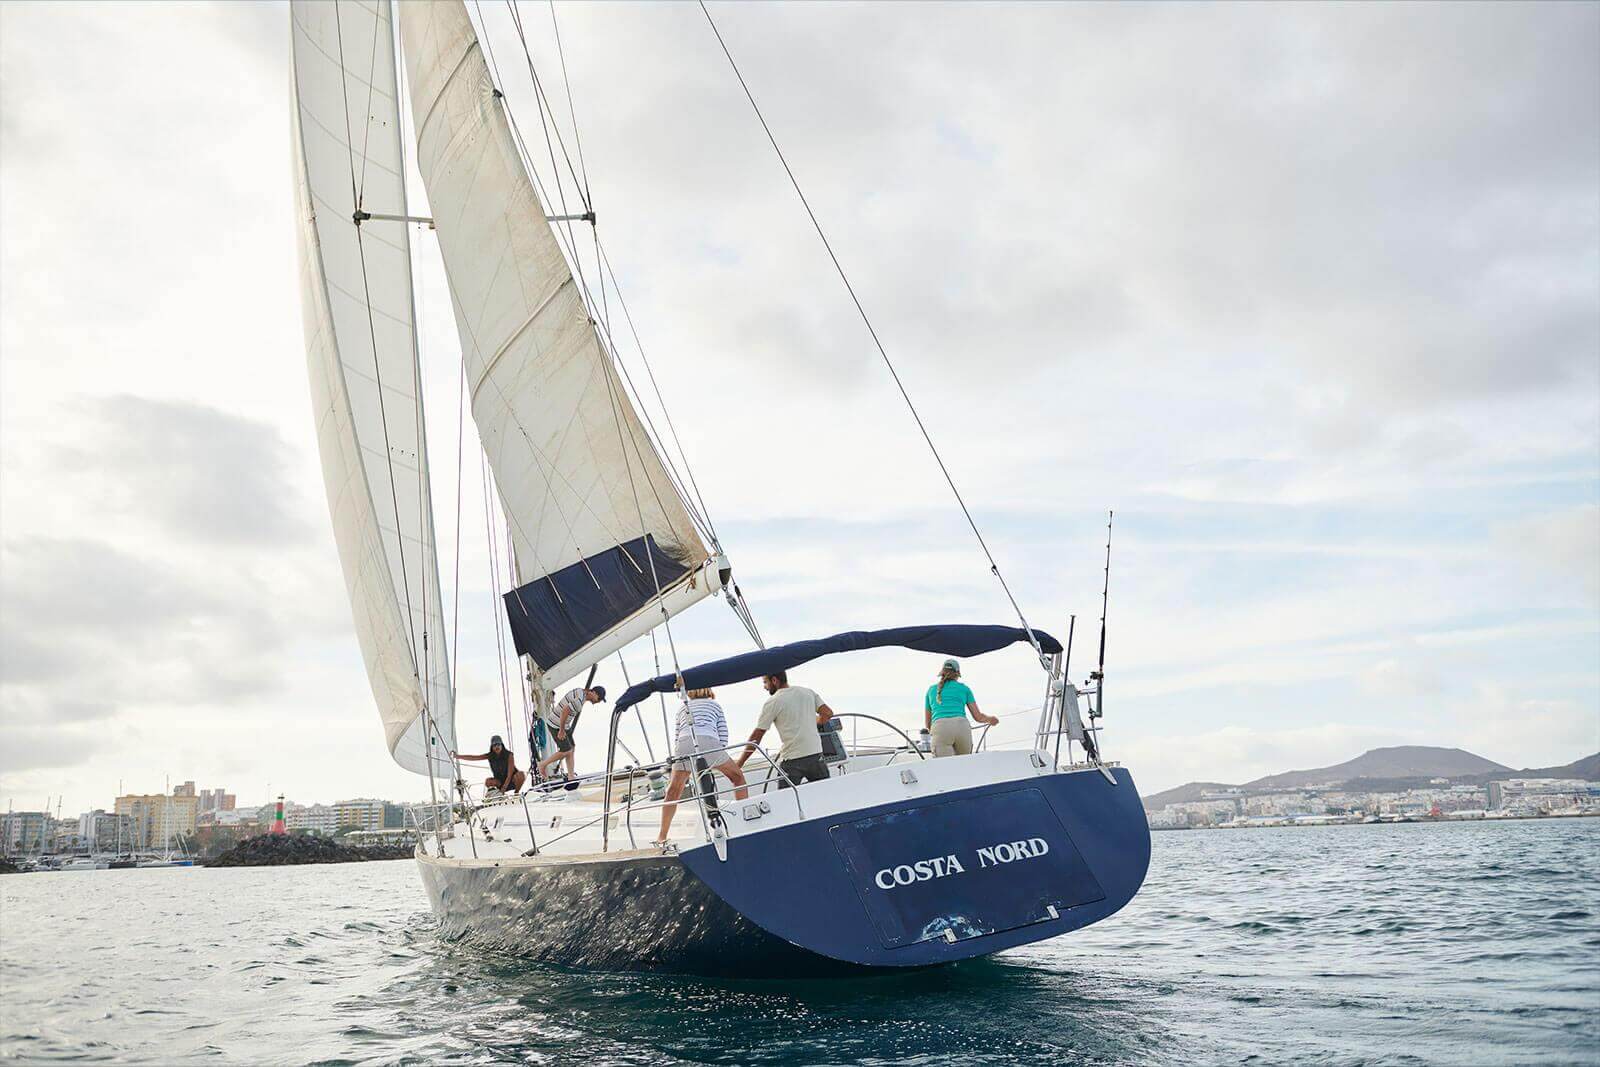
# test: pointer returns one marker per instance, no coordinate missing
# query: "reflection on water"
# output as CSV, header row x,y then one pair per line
x,y
1427,944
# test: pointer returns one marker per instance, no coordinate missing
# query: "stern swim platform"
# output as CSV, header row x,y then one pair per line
x,y
905,864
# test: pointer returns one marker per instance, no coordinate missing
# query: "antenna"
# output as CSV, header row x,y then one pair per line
x,y
1099,675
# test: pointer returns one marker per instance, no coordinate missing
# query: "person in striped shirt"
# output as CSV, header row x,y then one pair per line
x,y
701,740
563,721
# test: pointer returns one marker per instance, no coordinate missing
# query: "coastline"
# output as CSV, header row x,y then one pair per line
x,y
1327,820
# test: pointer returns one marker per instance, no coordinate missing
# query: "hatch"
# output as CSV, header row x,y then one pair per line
x,y
964,868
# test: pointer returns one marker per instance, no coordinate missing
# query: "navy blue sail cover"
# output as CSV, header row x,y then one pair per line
x,y
554,616
952,640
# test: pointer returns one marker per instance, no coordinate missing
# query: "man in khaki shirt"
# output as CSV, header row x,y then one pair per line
x,y
797,712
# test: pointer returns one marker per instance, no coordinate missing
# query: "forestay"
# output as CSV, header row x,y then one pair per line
x,y
359,333
598,525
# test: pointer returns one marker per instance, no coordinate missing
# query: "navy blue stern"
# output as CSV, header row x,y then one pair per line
x,y
1037,857
554,616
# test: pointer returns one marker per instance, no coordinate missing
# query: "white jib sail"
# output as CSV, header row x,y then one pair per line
x,y
362,358
581,483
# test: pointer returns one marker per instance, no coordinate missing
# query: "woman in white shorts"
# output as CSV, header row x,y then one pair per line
x,y
702,734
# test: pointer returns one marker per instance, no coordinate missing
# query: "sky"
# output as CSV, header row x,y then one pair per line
x,y
1309,295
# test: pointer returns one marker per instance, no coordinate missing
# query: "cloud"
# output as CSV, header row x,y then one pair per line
x,y
1528,730
202,474
1564,544
25,747
84,625
1309,294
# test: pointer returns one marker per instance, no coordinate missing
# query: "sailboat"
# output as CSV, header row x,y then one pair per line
x,y
896,860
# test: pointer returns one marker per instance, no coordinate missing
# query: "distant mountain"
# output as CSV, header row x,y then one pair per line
x,y
1390,765
1184,794
1402,761
1587,768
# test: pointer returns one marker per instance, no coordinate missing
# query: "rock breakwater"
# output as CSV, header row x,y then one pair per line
x,y
269,850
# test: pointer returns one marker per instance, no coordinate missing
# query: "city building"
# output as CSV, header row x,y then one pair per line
x,y
1535,795
314,818
103,831
233,817
24,831
184,790
428,816
156,820
216,800
1439,799
363,813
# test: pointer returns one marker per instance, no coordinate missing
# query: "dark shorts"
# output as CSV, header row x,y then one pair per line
x,y
562,739
804,769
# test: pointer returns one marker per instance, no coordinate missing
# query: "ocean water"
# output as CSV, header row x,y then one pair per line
x,y
1436,944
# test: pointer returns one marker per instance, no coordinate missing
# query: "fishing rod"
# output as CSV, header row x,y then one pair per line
x,y
1099,675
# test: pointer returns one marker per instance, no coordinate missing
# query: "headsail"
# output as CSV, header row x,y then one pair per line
x,y
597,523
361,354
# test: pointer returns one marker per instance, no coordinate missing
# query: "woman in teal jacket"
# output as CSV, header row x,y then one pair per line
x,y
945,710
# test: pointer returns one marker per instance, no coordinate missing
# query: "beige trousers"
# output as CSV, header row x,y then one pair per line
x,y
952,736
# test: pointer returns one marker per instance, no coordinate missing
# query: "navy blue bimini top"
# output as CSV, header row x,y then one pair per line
x,y
953,640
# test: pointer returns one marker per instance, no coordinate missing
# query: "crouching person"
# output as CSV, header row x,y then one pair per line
x,y
503,772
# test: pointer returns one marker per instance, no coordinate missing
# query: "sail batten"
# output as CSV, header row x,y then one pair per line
x,y
589,499
362,360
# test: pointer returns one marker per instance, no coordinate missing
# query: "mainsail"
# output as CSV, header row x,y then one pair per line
x,y
362,356
599,528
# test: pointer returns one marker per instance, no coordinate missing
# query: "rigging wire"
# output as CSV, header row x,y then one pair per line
x,y
603,333
604,269
655,653
566,238
544,104
366,136
644,530
430,721
638,714
666,413
697,508
455,628
994,568
580,280
494,587
377,368
571,110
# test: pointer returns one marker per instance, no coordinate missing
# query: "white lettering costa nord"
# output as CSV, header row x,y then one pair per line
x,y
920,871
1007,851
943,866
